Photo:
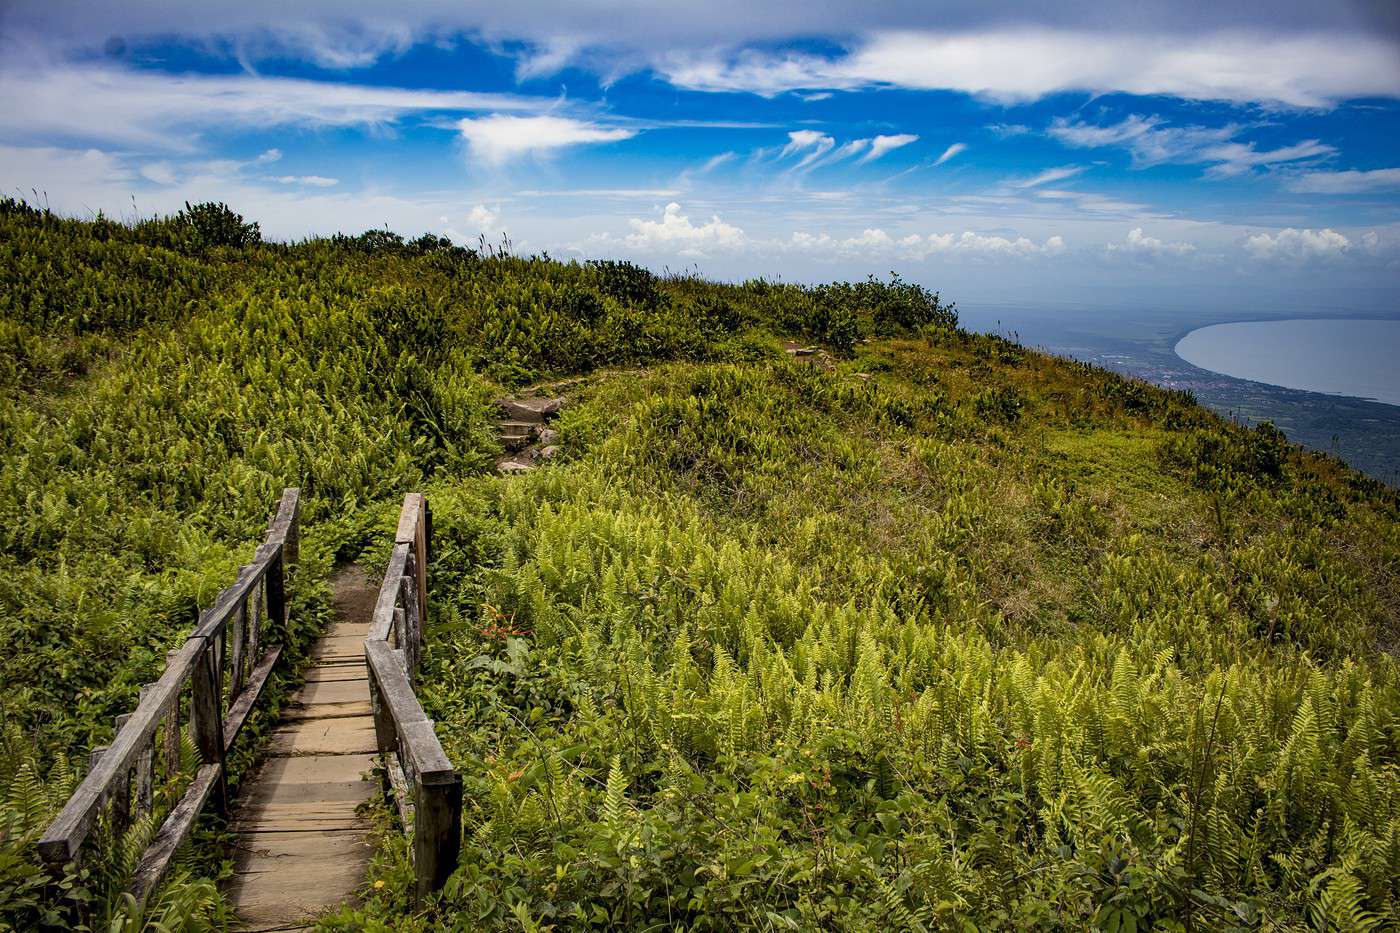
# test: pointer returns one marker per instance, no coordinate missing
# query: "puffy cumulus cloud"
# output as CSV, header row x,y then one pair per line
x,y
501,138
1139,245
484,218
1348,182
876,242
1151,141
1291,244
675,233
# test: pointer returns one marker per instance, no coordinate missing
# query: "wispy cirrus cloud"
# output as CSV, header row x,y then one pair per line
x,y
1049,176
1347,182
1151,140
951,152
882,145
1311,70
48,102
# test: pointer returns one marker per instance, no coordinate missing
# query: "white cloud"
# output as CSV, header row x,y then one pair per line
x,y
675,232
1048,176
1008,130
268,156
1293,244
876,242
314,181
848,149
1137,244
1306,70
1238,158
500,138
812,143
1152,142
49,104
1348,182
883,144
714,162
950,152
483,217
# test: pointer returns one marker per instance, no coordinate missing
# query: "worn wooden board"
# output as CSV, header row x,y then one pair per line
x,y
300,712
333,691
340,647
353,736
332,672
285,878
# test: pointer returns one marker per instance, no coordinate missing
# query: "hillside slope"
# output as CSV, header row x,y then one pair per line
x,y
949,634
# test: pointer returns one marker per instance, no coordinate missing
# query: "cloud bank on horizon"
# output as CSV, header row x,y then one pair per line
x,y
995,154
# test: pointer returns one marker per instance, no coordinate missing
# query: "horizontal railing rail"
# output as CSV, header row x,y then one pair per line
x,y
423,784
212,683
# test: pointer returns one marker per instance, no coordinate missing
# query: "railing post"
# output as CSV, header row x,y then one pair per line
x,y
206,718
276,581
437,829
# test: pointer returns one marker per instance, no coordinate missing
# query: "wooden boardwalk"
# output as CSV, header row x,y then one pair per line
x,y
301,847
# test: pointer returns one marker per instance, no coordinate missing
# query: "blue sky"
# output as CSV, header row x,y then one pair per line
x,y
1226,153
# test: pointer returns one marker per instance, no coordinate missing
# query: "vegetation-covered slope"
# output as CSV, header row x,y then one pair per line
x,y
954,634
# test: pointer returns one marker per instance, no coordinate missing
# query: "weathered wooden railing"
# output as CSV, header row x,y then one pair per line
x,y
426,789
212,683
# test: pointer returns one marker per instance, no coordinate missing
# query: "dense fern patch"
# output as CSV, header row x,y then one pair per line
x,y
953,634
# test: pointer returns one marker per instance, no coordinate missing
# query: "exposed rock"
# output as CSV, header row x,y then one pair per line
x,y
548,436
547,453
534,410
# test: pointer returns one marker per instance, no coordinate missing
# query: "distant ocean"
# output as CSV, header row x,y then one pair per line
x,y
1315,377
1359,358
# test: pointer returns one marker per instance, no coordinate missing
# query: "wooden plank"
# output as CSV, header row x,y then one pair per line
x,y
244,702
333,691
383,617
173,831
339,647
325,737
206,718
299,816
334,673
333,769
283,877
402,794
298,712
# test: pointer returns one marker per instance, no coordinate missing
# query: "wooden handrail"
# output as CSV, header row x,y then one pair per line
x,y
422,782
234,622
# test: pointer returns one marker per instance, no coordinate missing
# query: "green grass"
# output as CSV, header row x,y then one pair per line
x,y
952,635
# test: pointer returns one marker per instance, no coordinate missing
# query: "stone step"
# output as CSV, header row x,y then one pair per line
x,y
515,440
533,410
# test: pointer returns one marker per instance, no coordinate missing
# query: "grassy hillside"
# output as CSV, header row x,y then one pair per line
x,y
950,635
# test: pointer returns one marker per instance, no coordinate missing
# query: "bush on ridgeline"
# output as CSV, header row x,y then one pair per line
x,y
217,224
